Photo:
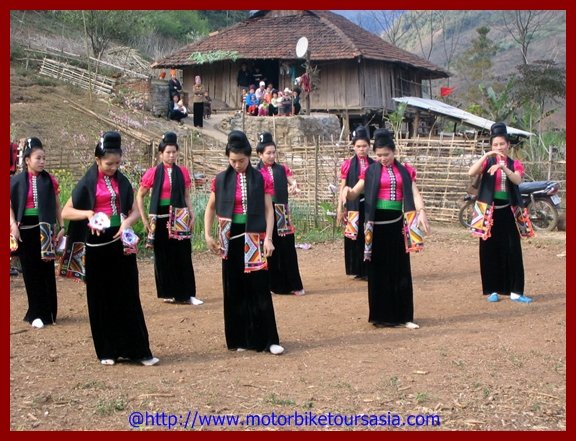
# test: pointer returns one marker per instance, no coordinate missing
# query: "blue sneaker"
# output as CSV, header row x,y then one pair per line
x,y
493,297
522,299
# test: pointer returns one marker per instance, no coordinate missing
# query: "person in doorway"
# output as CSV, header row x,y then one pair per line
x,y
241,198
283,264
174,88
102,211
395,223
501,220
36,225
352,213
169,224
198,100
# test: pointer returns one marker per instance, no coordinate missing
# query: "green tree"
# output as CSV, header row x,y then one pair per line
x,y
542,83
182,26
498,103
475,64
103,27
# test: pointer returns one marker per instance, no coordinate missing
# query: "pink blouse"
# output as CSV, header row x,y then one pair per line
x,y
268,189
385,191
345,168
30,197
286,170
147,181
501,183
104,196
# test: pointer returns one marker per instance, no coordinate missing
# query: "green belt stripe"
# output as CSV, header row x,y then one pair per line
x,y
164,202
383,204
115,220
31,212
501,195
239,218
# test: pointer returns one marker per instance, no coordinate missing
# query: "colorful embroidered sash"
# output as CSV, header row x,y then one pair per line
x,y
523,222
72,264
413,236
224,230
178,222
283,222
482,219
152,219
351,230
254,254
47,251
368,237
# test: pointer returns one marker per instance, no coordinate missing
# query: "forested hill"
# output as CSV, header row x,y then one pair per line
x,y
441,36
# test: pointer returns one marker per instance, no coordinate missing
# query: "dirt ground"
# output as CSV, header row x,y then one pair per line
x,y
474,364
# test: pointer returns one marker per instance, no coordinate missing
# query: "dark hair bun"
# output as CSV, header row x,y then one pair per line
x,y
498,129
33,142
383,138
361,132
238,139
170,138
109,142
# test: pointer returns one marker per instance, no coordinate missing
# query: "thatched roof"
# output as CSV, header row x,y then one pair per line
x,y
273,35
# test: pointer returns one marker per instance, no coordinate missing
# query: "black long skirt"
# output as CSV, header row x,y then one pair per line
x,y
501,265
390,295
173,268
249,320
354,250
198,114
283,265
39,276
116,316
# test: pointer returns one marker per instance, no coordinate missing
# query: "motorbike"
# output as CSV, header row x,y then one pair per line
x,y
540,198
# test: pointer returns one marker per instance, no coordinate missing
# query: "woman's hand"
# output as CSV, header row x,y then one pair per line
x,y
15,231
212,244
423,223
293,189
59,236
89,215
123,226
268,246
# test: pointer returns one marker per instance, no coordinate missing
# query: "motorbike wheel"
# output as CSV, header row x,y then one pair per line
x,y
543,215
466,212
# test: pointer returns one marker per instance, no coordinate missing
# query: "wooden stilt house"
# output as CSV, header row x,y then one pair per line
x,y
355,70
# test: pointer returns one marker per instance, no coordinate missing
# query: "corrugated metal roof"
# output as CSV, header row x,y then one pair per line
x,y
273,35
456,113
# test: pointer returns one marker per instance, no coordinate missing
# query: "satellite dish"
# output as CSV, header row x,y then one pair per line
x,y
301,47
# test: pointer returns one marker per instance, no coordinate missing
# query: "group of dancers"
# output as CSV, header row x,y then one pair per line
x,y
379,204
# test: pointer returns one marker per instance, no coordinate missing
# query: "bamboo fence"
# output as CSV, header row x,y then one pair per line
x,y
77,76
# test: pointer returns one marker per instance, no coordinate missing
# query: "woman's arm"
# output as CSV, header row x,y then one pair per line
x,y
71,213
14,230
419,203
59,220
142,192
209,215
269,211
512,176
352,193
130,220
339,204
476,168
